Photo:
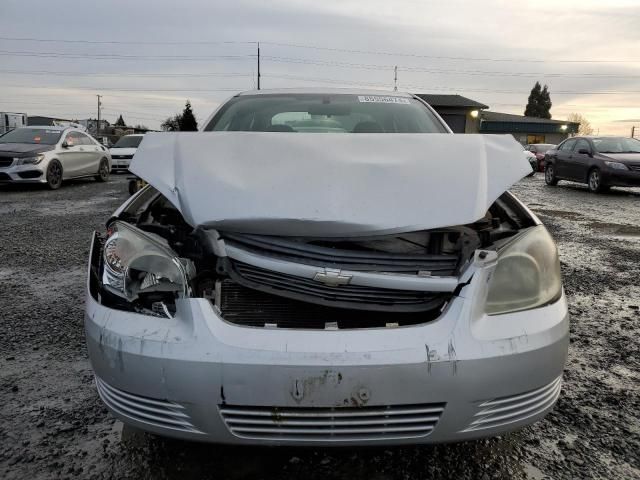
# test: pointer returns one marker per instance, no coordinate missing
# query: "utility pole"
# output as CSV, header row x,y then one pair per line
x,y
258,65
633,131
98,123
395,78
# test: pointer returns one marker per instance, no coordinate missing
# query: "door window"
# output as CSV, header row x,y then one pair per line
x,y
73,139
567,146
580,144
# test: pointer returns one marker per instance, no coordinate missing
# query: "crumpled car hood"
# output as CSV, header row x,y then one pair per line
x,y
329,185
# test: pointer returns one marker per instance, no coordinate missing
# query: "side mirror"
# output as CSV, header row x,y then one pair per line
x,y
584,151
64,144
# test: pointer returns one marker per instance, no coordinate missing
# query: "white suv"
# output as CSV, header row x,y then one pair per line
x,y
124,150
50,155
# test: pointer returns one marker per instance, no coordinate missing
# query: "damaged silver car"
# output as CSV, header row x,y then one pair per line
x,y
330,268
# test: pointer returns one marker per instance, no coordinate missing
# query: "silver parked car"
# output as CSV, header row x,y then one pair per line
x,y
50,155
278,283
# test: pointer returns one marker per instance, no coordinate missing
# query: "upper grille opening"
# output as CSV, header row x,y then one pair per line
x,y
432,252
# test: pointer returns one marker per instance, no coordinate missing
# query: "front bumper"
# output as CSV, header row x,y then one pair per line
x,y
621,178
24,173
462,376
120,163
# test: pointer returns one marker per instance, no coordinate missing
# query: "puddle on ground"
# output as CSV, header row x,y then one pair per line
x,y
616,229
558,213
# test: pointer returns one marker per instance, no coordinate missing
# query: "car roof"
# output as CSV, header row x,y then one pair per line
x,y
593,137
328,91
48,127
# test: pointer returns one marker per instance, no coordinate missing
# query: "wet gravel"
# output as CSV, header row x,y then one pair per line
x,y
52,424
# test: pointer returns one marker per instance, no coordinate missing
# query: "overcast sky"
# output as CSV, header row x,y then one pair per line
x,y
587,51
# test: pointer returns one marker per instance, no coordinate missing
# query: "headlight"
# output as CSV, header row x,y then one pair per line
x,y
527,274
137,264
616,165
31,160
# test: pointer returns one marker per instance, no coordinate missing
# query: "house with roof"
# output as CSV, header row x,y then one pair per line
x,y
527,130
464,115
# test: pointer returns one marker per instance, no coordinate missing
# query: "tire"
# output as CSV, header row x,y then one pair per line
x,y
133,187
54,175
103,171
594,181
550,175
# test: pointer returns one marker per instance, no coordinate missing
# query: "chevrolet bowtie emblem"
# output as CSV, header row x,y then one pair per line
x,y
332,277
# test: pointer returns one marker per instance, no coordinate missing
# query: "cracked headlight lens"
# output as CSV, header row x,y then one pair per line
x,y
138,263
527,274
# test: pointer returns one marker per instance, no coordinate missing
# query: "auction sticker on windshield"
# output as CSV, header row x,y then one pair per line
x,y
382,99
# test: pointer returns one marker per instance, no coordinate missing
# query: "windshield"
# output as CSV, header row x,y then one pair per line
x,y
341,113
35,136
617,145
128,141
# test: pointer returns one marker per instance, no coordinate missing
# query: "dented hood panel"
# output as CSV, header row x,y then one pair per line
x,y
331,185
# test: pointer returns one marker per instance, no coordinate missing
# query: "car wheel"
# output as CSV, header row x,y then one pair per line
x,y
54,175
550,174
133,187
103,171
595,182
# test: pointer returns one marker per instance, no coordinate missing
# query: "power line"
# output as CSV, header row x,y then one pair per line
x,y
413,68
241,74
124,74
427,88
116,56
122,42
315,47
312,79
441,57
74,87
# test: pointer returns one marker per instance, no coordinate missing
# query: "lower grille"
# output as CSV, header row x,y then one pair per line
x,y
6,161
506,410
4,176
158,413
332,424
343,296
30,174
121,157
249,307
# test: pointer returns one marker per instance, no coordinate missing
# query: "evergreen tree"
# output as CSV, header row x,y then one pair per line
x,y
539,103
545,103
187,120
120,122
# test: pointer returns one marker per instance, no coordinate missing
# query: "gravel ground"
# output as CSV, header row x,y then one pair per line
x,y
52,424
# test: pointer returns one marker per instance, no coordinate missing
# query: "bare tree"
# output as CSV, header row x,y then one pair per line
x,y
585,126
